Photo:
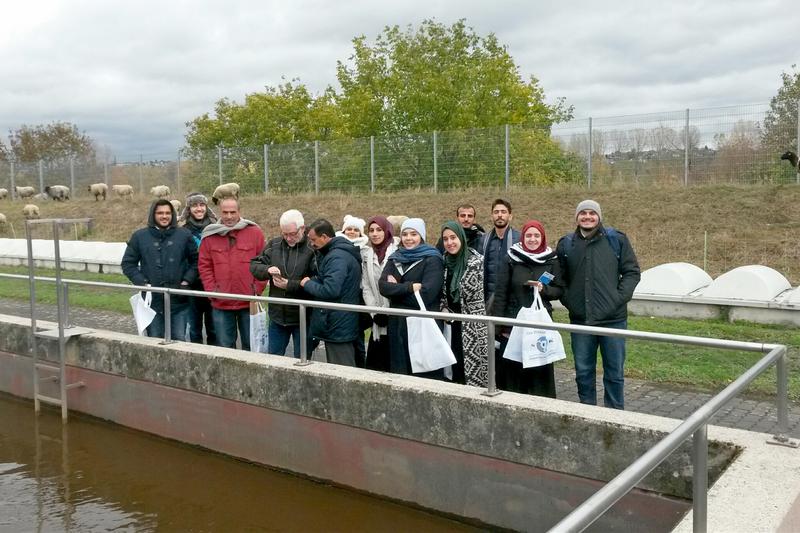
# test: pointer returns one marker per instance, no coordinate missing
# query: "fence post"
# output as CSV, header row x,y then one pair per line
x,y
372,163
41,176
105,170
178,174
219,163
266,168
435,169
13,184
72,176
797,148
316,167
589,168
141,178
686,151
508,168
700,479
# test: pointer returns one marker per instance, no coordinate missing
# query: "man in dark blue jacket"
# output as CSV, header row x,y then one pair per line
x,y
338,280
600,271
496,244
163,255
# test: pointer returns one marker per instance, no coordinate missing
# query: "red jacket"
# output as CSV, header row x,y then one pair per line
x,y
224,265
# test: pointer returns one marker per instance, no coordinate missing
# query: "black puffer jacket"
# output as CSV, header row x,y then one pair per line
x,y
295,263
161,257
598,284
338,279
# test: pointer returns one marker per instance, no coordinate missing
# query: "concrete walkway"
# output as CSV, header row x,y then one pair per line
x,y
754,414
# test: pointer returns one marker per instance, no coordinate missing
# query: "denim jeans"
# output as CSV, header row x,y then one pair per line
x,y
179,321
200,315
279,338
612,350
226,324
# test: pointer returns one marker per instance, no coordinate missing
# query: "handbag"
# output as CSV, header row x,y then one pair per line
x,y
427,347
259,330
534,346
143,314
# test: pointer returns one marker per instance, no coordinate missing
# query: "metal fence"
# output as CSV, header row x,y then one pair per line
x,y
701,146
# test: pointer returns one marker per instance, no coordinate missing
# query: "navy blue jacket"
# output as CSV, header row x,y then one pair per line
x,y
338,280
161,257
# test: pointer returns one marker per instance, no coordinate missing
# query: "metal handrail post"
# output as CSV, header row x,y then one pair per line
x,y
783,395
62,342
167,319
304,360
67,321
491,367
32,290
700,479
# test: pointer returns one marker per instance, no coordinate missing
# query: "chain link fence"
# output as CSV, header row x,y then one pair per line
x,y
702,146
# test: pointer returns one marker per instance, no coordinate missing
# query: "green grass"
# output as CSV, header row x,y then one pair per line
x,y
699,368
101,298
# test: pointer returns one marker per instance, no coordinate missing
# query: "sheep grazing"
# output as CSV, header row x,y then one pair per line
x,y
25,192
57,192
2,219
176,205
791,157
98,190
3,194
226,190
123,191
41,196
30,211
396,221
160,191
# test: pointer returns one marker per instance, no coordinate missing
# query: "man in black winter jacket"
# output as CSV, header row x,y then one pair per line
x,y
284,262
601,272
338,280
163,255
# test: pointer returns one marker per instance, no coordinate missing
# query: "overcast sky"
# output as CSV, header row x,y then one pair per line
x,y
131,74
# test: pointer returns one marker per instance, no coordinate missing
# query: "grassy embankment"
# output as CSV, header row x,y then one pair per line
x,y
745,225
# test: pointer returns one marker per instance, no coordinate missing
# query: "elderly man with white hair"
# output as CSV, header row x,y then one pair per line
x,y
284,261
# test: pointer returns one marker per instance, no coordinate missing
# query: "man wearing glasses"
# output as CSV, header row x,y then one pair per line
x,y
284,262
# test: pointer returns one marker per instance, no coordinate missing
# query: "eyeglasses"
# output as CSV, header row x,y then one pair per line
x,y
294,234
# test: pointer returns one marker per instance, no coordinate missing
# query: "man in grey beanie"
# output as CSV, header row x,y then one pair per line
x,y
600,272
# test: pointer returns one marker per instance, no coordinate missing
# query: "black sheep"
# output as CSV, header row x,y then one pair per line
x,y
792,158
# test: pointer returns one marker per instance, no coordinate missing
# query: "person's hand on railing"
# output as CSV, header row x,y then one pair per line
x,y
416,287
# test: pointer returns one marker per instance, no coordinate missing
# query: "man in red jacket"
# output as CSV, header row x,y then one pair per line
x,y
224,264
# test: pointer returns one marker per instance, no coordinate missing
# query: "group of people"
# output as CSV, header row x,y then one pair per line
x,y
593,271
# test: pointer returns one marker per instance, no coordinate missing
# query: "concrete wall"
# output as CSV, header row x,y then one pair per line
x,y
511,461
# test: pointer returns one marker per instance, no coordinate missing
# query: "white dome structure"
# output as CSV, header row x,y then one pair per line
x,y
673,279
752,282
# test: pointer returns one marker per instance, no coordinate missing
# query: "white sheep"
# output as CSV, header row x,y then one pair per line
x,y
98,190
41,196
226,190
176,204
160,191
396,221
30,211
25,192
123,191
57,192
3,194
2,219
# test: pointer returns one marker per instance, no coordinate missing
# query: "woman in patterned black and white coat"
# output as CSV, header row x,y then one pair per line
x,y
463,294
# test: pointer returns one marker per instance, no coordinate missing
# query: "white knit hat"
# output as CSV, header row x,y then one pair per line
x,y
417,224
353,222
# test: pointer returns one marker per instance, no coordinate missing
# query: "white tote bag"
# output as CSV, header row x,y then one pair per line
x,y
143,314
533,346
427,347
259,336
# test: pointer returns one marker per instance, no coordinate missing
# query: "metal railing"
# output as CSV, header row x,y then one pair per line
x,y
583,516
